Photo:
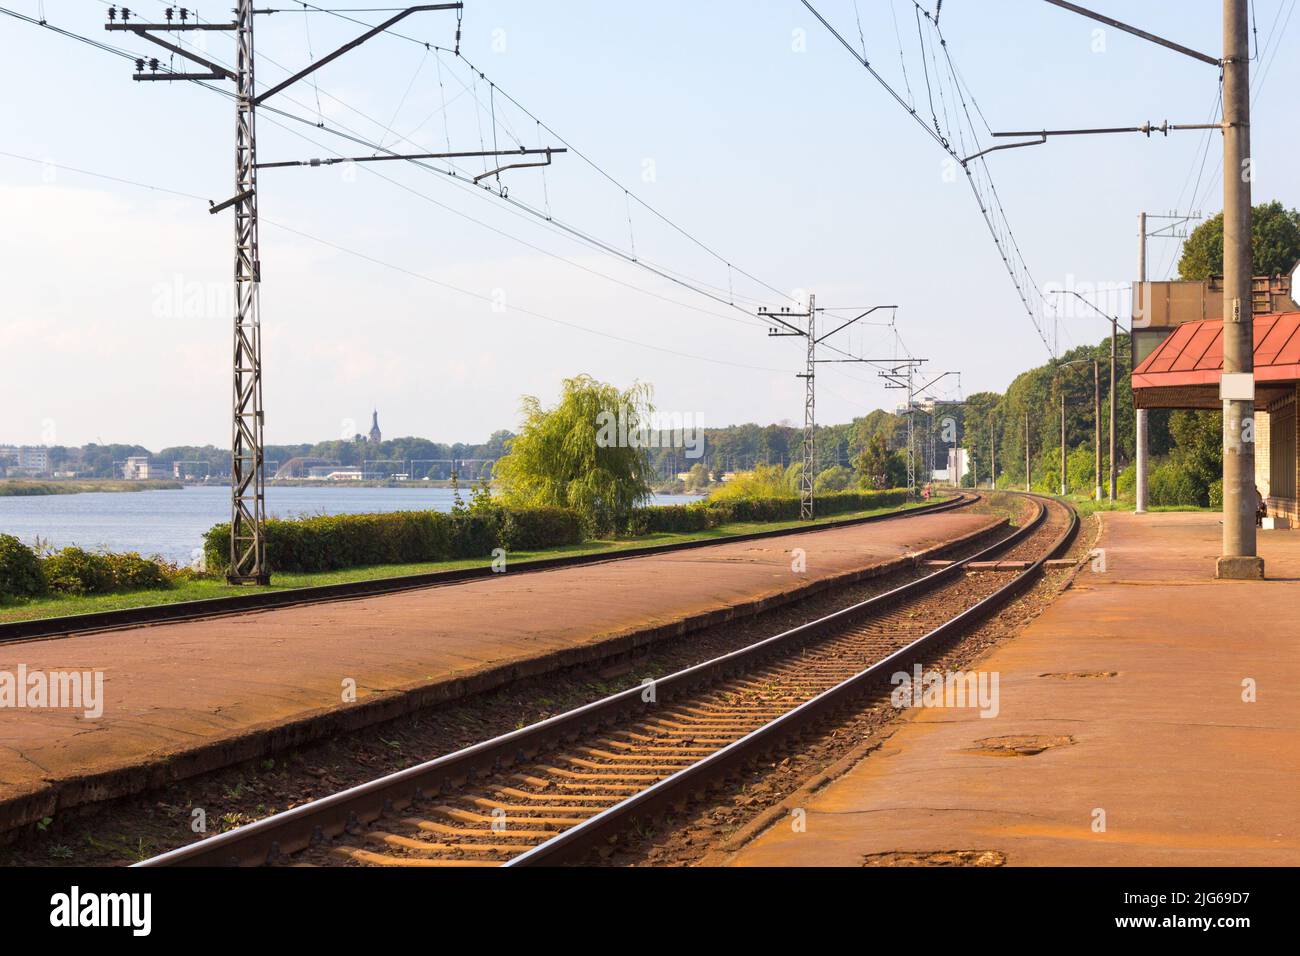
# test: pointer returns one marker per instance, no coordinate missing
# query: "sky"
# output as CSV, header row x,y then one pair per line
x,y
736,146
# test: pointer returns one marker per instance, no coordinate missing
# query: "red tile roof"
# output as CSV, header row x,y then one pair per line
x,y
1193,353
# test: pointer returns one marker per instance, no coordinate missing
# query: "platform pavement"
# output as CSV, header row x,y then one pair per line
x,y
183,698
1186,772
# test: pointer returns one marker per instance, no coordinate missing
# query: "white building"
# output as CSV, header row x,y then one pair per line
x,y
25,459
139,468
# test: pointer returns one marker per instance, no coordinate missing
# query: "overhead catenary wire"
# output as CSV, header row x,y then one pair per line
x,y
691,283
580,154
375,260
991,208
572,232
579,235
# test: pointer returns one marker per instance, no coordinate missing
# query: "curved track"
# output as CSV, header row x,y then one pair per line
x,y
554,791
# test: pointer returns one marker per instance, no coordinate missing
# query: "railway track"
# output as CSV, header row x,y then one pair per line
x,y
554,791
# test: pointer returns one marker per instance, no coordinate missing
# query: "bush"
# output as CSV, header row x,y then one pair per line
x,y
20,569
335,542
74,571
531,529
1216,494
836,478
1126,483
1171,486
720,510
130,572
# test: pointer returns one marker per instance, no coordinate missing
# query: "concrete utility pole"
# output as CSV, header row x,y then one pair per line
x,y
1064,461
1096,421
1029,484
1140,432
993,455
1239,559
1237,387
1114,402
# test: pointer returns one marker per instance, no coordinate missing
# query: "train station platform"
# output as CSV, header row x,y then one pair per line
x,y
187,697
1150,716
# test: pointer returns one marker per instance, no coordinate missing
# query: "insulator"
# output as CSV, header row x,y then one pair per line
x,y
112,13
185,14
168,14
126,14
139,65
153,64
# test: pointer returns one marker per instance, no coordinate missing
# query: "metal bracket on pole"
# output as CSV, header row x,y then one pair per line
x,y
215,208
1137,32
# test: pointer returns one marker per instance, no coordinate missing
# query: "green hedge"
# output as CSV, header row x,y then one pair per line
x,y
338,542
703,515
335,542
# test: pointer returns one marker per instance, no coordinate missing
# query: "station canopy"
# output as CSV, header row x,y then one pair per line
x,y
1184,370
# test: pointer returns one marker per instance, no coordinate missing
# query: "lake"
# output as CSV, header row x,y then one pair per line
x,y
172,523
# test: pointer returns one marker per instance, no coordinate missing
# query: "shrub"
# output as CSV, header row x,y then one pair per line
x,y
1126,483
74,571
836,478
335,542
20,569
1216,493
331,543
1172,486
718,511
531,529
130,572
677,519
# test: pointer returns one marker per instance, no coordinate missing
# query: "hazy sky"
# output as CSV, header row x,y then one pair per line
x,y
390,286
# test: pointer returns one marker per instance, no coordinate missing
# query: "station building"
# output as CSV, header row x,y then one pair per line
x,y
1178,357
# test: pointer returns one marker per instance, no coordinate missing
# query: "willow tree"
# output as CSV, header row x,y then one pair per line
x,y
588,453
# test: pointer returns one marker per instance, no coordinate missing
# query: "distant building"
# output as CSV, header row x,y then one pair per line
x,y
958,467
139,468
345,474
25,459
376,436
306,467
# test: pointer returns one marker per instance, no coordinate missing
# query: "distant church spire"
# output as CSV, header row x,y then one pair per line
x,y
376,436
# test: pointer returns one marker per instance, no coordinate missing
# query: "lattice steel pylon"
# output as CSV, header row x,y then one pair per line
x,y
781,318
809,474
247,477
248,557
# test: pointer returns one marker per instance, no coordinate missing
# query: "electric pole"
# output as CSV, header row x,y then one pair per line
x,y
1064,462
1096,421
1239,559
1237,387
1140,430
993,454
1029,484
248,557
903,376
808,477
